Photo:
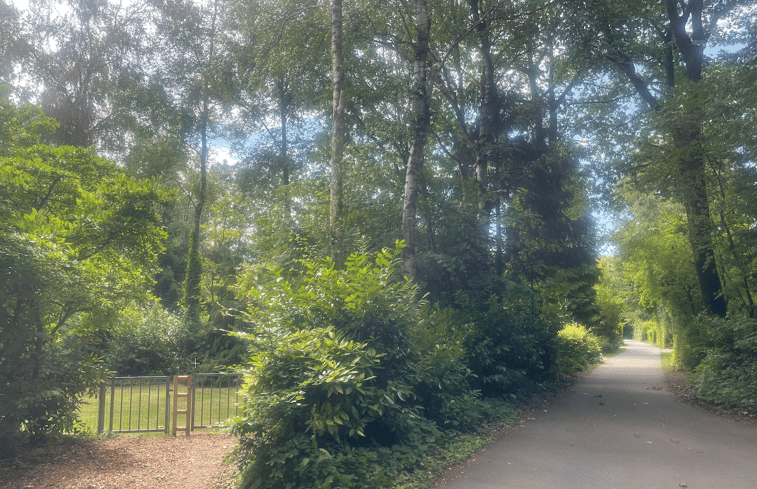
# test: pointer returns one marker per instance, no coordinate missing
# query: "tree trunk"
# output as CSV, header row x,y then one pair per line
x,y
338,127
691,168
693,182
489,109
691,163
192,292
421,121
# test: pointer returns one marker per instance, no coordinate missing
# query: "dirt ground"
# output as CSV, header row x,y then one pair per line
x,y
183,462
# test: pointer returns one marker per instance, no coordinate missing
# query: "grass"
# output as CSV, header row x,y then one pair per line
x,y
615,353
142,408
666,358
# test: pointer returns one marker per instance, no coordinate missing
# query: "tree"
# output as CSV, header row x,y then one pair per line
x,y
90,59
78,241
189,37
421,119
338,131
668,43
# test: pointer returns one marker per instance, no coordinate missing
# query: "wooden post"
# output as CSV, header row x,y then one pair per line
x,y
186,412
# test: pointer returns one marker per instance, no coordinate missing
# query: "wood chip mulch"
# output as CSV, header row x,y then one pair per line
x,y
185,462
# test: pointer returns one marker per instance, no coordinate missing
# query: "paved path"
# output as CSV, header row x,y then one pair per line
x,y
636,435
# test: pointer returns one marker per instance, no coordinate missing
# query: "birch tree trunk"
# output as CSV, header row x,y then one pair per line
x,y
338,127
421,120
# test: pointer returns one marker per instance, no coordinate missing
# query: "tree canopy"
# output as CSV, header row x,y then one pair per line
x,y
470,144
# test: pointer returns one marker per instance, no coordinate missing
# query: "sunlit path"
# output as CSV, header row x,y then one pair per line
x,y
619,428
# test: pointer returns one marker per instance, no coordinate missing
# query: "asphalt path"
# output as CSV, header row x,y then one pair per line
x,y
619,427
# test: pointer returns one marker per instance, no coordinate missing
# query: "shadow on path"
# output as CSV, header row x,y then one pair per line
x,y
619,428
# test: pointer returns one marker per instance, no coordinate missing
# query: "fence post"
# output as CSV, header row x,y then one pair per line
x,y
168,403
101,409
112,400
191,392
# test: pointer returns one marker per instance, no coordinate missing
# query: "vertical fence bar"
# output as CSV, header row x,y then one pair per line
x,y
168,404
149,398
112,401
194,403
139,407
101,409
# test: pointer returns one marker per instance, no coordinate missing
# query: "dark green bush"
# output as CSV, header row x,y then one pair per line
x,y
728,373
576,348
312,393
42,378
148,341
509,344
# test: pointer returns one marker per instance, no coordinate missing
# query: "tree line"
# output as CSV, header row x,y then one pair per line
x,y
405,171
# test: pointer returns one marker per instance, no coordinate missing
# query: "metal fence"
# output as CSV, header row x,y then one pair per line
x,y
143,404
215,399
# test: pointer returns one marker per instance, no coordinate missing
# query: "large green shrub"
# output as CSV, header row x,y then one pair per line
x,y
42,381
509,343
345,359
148,341
576,348
311,393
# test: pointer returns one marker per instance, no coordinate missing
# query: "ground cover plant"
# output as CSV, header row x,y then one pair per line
x,y
727,375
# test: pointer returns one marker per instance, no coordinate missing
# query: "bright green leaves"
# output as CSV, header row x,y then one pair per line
x,y
315,380
576,348
78,240
346,356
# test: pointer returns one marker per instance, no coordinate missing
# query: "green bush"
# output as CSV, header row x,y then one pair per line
x,y
313,390
42,380
651,332
509,343
576,348
728,373
438,370
345,361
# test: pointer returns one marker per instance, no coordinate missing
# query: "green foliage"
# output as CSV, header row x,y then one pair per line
x,y
315,389
576,348
191,300
728,373
147,340
610,302
344,358
651,332
77,242
42,382
510,343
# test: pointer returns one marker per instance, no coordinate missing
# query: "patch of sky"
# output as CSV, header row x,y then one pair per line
x,y
235,145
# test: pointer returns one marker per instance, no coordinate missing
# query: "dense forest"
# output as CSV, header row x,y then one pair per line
x,y
393,216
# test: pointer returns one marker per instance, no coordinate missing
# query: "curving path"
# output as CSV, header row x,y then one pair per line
x,y
619,428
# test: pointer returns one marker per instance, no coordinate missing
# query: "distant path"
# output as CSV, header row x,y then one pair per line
x,y
637,435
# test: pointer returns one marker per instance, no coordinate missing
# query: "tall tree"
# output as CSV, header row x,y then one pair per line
x,y
662,58
90,59
338,131
191,63
421,118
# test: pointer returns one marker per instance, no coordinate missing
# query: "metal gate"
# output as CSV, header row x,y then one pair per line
x,y
215,399
143,404
136,404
